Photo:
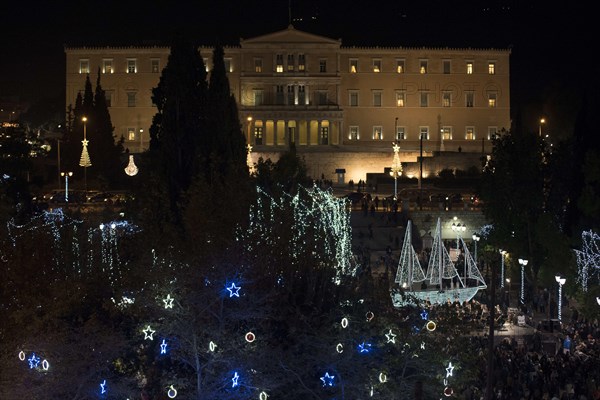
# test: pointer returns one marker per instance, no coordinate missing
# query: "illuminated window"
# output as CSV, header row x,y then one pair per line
x,y
290,62
446,133
491,68
131,65
377,98
376,65
155,65
400,66
354,99
470,133
424,132
301,62
400,99
324,134
378,132
228,65
107,66
130,134
492,100
258,135
353,65
446,66
423,66
279,63
353,133
424,97
84,66
469,67
258,65
258,97
322,65
469,99
131,99
400,133
446,99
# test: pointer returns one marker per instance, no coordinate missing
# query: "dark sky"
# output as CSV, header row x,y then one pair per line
x,y
547,40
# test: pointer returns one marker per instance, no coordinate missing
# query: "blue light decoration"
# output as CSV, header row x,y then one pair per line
x,y
163,347
172,392
364,347
103,387
34,361
234,380
328,380
234,290
424,315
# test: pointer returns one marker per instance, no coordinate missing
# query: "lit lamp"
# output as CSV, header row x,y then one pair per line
x,y
458,228
66,175
476,239
523,263
561,282
396,170
85,161
502,253
131,169
542,122
509,288
598,300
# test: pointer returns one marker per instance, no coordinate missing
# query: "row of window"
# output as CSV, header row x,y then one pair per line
x,y
400,66
447,99
109,66
447,133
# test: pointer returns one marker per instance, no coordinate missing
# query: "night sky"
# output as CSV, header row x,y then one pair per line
x,y
547,40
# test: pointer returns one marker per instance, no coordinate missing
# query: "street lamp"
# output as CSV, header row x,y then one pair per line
x,y
249,119
502,253
476,239
85,161
523,264
509,289
396,170
66,175
561,282
458,228
542,122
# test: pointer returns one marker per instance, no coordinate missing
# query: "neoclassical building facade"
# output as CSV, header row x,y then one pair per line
x,y
342,106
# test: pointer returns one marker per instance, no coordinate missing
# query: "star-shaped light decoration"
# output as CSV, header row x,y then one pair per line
x,y
163,347
148,332
234,380
449,369
424,315
103,387
168,301
34,361
234,290
327,379
364,347
391,337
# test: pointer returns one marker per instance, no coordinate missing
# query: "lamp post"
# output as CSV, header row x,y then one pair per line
x,y
523,263
396,169
249,119
561,282
509,288
66,175
502,253
476,239
542,122
141,143
85,161
421,171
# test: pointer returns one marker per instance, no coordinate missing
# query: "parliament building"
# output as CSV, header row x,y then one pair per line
x,y
343,107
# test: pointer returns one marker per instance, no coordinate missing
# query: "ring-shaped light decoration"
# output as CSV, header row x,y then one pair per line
x,y
369,315
431,326
45,365
22,356
172,392
382,377
344,322
339,348
263,396
250,337
448,391
212,346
